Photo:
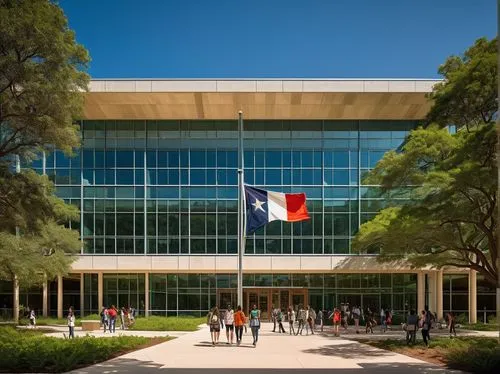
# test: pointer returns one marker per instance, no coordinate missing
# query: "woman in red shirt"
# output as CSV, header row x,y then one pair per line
x,y
239,322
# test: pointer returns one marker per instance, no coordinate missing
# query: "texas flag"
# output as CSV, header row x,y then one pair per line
x,y
263,207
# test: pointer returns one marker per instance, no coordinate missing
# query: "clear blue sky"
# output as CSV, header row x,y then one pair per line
x,y
276,38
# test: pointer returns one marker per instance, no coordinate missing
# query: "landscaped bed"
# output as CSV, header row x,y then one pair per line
x,y
472,354
29,351
157,323
152,323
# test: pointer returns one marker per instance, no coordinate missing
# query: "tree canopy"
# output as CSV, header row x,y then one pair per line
x,y
451,219
42,76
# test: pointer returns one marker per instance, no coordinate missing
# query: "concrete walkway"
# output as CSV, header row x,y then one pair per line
x,y
194,353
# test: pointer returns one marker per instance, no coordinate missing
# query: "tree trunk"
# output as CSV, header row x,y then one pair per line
x,y
15,301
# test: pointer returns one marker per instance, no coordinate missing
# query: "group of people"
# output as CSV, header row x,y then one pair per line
x,y
233,322
111,314
424,322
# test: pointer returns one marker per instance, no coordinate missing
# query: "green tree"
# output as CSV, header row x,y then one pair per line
x,y
42,77
451,219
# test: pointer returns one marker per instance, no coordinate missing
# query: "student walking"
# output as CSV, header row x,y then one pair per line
x,y
279,318
122,318
291,320
425,325
451,323
255,324
311,318
112,312
319,319
301,317
104,318
383,325
32,319
356,313
239,322
370,321
274,317
71,323
336,318
229,322
213,320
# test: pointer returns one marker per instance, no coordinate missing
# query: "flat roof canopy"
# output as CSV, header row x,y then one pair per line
x,y
258,99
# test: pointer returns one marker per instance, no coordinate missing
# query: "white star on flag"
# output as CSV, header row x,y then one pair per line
x,y
258,205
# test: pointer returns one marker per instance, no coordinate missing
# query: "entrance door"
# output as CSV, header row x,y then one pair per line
x,y
298,297
257,297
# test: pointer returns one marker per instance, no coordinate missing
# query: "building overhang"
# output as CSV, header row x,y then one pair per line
x,y
311,99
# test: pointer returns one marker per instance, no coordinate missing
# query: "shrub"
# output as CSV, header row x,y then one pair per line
x,y
157,323
26,351
475,359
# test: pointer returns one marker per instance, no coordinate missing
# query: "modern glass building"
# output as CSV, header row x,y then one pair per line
x,y
156,183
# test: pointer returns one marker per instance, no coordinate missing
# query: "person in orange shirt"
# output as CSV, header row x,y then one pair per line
x,y
239,322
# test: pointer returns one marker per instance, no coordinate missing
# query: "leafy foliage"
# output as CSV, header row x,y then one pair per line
x,y
21,352
40,96
451,219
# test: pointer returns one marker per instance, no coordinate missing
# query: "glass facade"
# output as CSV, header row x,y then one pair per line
x,y
456,293
170,187
194,294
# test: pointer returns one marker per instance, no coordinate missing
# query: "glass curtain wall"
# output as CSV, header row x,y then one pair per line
x,y
456,294
195,294
170,187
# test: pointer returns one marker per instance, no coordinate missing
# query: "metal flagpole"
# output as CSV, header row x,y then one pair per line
x,y
241,209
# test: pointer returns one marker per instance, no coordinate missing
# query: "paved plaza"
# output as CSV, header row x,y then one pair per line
x,y
320,353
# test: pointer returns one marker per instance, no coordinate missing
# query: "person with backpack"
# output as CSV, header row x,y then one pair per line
x,y
311,318
279,318
336,319
388,319
255,324
112,312
274,317
229,322
104,318
319,319
122,318
213,320
131,316
32,318
301,318
356,313
291,320
71,323
425,326
239,322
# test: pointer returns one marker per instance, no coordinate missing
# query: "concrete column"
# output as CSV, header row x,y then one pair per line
x,y
439,294
45,297
82,296
15,301
432,291
100,293
472,296
146,296
420,291
59,296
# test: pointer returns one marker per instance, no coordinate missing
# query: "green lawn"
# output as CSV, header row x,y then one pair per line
x,y
29,351
153,323
472,354
156,323
481,327
44,321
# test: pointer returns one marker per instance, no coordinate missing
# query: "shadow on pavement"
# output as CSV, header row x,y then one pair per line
x,y
134,366
349,351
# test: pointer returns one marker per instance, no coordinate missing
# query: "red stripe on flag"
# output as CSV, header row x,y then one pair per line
x,y
296,207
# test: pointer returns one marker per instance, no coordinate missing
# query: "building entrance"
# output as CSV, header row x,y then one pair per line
x,y
264,298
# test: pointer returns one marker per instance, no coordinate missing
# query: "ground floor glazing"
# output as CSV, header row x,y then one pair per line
x,y
174,294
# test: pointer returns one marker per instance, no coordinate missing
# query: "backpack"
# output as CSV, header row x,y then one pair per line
x,y
214,319
336,317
